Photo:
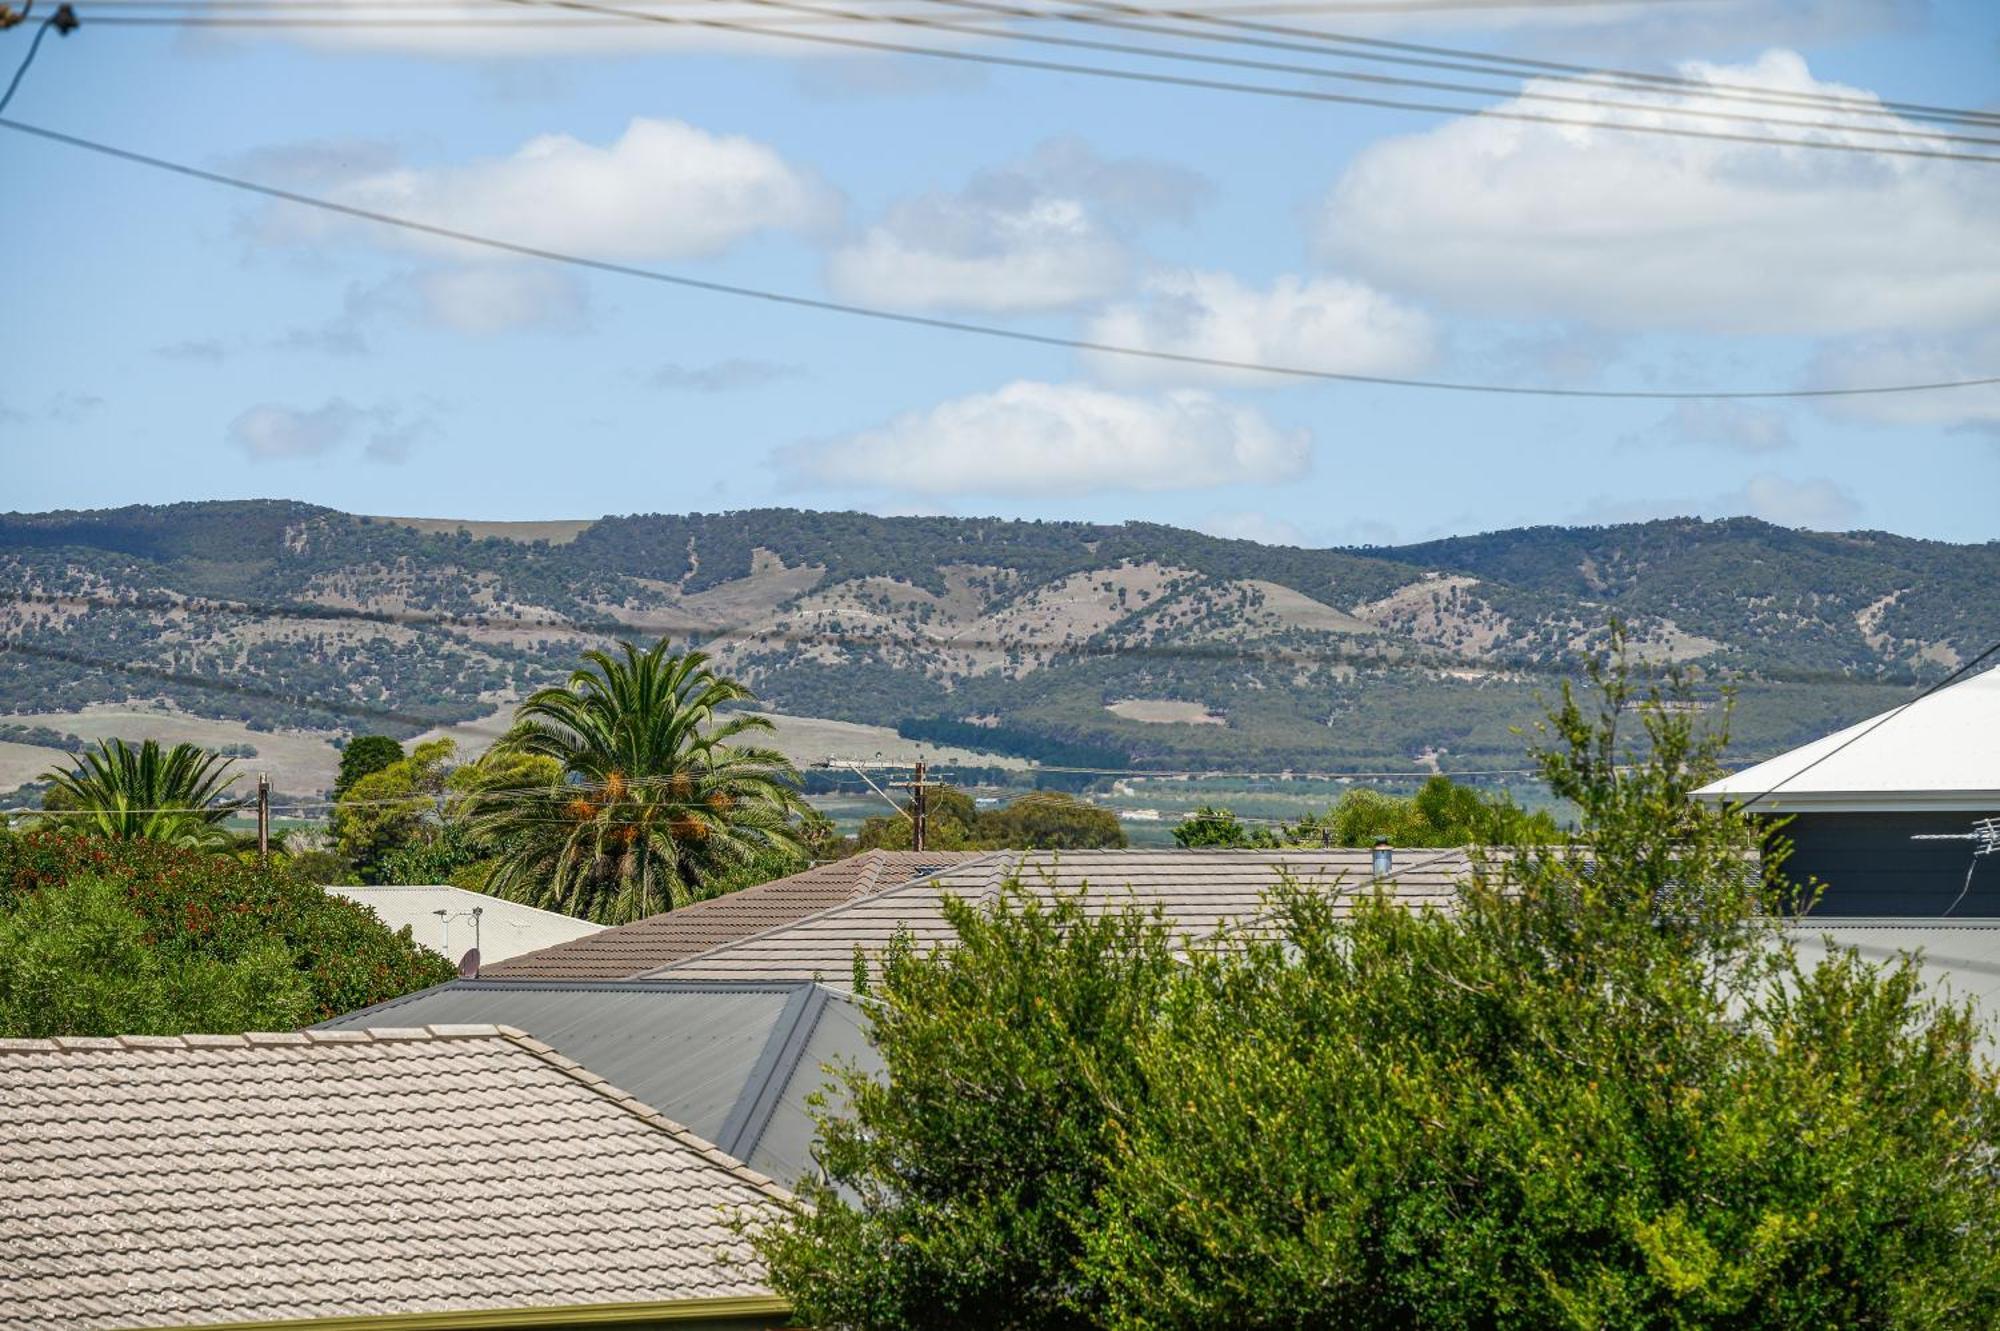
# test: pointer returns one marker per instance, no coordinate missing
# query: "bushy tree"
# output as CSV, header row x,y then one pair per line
x,y
196,911
1213,828
1600,1092
1443,812
76,959
1039,820
362,756
144,792
392,809
958,1191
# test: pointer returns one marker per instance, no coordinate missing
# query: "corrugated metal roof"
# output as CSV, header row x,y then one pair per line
x,y
1197,890
154,1181
505,928
726,1058
660,940
1937,752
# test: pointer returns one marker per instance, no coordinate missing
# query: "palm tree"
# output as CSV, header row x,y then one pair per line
x,y
654,799
145,793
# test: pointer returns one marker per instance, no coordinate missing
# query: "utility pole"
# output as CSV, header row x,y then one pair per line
x,y
263,818
917,808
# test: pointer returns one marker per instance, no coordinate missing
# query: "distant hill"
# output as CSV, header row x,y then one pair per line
x,y
1025,635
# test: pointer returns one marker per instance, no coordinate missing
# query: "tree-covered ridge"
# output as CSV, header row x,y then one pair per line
x,y
288,615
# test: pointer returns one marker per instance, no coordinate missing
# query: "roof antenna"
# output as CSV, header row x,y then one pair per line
x,y
1985,839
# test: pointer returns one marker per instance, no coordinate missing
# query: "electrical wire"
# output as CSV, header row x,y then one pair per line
x,y
34,45
1433,85
815,13
1463,60
1876,725
1304,94
792,300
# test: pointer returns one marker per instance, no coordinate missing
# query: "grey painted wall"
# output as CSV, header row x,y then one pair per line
x,y
1871,867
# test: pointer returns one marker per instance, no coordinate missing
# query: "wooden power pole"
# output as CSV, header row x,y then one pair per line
x,y
917,807
263,817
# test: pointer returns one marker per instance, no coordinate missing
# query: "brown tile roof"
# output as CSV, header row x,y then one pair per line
x,y
1196,889
153,1181
661,940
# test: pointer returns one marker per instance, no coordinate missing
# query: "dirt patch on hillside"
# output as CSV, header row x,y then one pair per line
x,y
1166,711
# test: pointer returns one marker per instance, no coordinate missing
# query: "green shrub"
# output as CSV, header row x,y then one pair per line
x,y
196,906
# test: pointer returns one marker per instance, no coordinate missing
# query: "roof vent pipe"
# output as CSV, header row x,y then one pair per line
x,y
1385,857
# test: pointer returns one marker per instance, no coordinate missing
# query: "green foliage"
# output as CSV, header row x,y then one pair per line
x,y
973,1173
1441,813
213,925
75,960
1602,1092
392,809
145,793
1769,601
658,797
1042,820
1211,828
364,755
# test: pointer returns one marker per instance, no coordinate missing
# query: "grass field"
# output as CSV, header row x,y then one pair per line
x,y
300,762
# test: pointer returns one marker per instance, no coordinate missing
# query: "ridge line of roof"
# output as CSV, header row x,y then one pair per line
x,y
663,972
994,868
195,1041
751,893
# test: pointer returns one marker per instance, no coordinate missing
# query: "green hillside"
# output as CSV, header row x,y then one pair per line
x,y
284,616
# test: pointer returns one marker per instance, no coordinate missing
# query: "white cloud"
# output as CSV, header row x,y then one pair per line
x,y
1731,426
270,432
1252,525
498,298
723,376
664,190
1649,231
1041,438
1893,360
1813,502
1046,233
1324,323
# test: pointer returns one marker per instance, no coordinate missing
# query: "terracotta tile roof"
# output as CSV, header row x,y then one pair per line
x,y
152,1181
1196,889
660,940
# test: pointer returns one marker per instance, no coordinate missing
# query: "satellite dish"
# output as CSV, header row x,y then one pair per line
x,y
468,965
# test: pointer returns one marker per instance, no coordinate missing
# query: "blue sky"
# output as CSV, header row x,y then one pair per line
x,y
166,339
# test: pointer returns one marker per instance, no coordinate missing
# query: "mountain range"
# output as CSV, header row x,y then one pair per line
x,y
1061,642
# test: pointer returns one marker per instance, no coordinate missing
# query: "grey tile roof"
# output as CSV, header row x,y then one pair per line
x,y
1197,890
733,1060
163,1181
660,940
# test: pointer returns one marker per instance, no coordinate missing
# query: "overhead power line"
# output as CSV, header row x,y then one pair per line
x,y
796,301
1320,48
1176,80
63,21
1465,60
1115,13
793,14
